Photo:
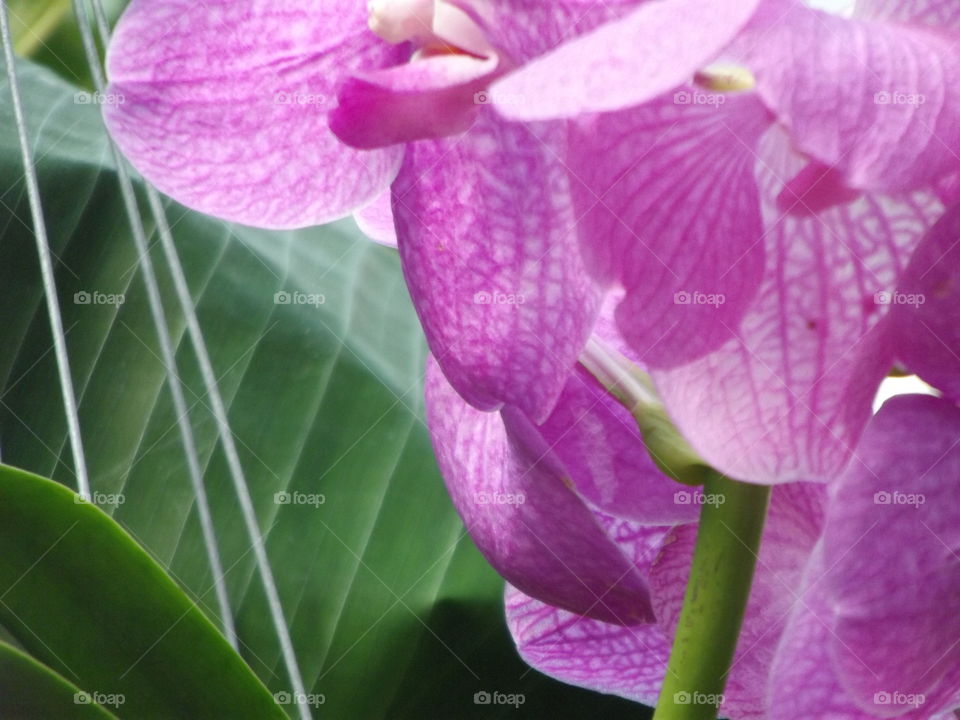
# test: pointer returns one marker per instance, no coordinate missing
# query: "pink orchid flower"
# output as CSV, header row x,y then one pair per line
x,y
854,610
298,112
292,113
770,222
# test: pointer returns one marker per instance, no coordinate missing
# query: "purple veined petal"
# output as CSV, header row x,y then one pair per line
x,y
788,399
376,220
601,448
926,308
626,661
874,100
794,524
671,212
513,495
628,61
430,97
487,238
225,106
936,13
802,680
890,543
525,29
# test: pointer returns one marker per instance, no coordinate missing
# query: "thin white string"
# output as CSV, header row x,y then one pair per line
x,y
167,354
220,414
46,267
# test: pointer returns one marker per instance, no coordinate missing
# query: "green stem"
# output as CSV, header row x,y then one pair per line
x,y
34,23
728,540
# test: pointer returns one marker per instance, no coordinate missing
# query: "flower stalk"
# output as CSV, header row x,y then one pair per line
x,y
728,541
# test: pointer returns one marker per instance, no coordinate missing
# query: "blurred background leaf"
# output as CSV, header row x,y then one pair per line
x,y
392,610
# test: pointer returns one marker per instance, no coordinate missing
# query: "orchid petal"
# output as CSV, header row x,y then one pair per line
x,y
670,211
600,445
526,29
891,542
793,526
626,661
926,308
494,271
788,399
936,13
430,97
873,100
513,495
802,681
628,61
225,106
376,220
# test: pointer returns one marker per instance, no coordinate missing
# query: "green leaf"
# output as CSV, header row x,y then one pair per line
x,y
85,599
29,689
392,610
